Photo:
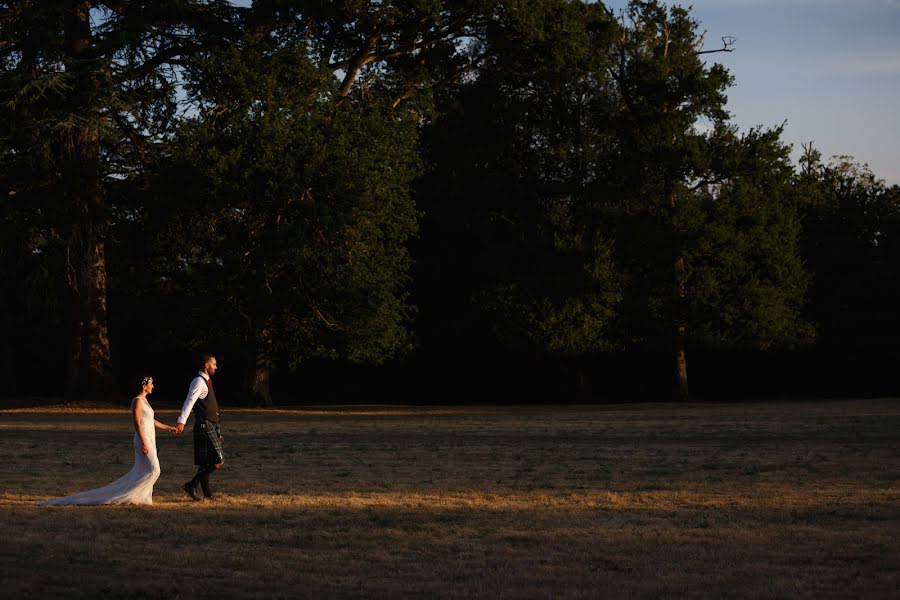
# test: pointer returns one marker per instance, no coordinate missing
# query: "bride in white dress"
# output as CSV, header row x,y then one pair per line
x,y
137,486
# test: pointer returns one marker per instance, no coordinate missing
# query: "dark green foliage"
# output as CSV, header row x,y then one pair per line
x,y
743,265
398,50
850,243
88,90
290,212
719,263
514,155
600,194
493,186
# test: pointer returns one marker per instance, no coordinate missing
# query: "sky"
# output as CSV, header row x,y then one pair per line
x,y
830,69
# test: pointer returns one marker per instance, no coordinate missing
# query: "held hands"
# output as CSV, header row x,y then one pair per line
x,y
178,429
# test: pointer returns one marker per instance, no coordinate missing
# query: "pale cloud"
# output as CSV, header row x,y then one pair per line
x,y
887,63
890,66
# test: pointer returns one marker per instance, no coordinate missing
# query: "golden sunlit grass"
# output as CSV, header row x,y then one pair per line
x,y
747,500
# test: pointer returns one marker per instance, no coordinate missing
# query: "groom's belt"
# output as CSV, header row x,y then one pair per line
x,y
202,417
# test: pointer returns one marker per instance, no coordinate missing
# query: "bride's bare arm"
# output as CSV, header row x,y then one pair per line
x,y
136,408
163,426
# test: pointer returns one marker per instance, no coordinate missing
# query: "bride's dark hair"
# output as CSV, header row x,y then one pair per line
x,y
146,379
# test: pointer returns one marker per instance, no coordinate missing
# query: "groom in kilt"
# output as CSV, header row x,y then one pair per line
x,y
208,453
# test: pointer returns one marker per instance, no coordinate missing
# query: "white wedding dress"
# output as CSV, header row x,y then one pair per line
x,y
134,488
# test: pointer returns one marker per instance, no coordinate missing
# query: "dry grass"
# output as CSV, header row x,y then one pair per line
x,y
739,500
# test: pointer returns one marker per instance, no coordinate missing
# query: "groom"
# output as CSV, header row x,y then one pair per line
x,y
208,454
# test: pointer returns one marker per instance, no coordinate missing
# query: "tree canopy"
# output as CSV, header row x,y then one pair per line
x,y
519,187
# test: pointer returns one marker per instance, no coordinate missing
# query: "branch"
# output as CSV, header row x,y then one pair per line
x,y
356,63
139,143
451,79
368,56
740,171
712,181
699,43
406,95
727,43
160,58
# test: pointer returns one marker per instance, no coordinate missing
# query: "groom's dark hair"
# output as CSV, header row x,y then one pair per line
x,y
205,358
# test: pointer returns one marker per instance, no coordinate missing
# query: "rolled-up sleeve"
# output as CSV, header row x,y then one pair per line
x,y
196,391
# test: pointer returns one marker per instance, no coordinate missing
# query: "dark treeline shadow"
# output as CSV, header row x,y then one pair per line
x,y
463,202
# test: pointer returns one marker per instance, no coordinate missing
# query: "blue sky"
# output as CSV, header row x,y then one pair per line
x,y
830,68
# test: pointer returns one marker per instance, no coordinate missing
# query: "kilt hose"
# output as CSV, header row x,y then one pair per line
x,y
207,444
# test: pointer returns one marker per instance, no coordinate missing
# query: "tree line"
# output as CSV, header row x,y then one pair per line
x,y
509,186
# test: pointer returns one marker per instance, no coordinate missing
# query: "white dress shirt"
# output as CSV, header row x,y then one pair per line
x,y
198,390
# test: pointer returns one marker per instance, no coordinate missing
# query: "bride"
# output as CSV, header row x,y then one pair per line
x,y
137,486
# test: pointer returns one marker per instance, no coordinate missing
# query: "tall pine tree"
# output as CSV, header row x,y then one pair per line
x,y
87,88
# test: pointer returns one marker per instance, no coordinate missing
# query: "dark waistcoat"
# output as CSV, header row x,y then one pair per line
x,y
207,409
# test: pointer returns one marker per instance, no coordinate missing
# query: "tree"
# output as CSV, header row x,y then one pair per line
x,y
288,222
742,249
679,164
850,242
592,211
87,88
514,249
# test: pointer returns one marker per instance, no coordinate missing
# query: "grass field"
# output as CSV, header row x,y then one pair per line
x,y
655,500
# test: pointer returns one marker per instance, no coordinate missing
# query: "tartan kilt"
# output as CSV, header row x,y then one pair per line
x,y
207,444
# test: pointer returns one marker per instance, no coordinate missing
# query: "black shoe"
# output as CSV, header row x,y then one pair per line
x,y
211,498
191,488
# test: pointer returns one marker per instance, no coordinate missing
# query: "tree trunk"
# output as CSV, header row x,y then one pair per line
x,y
76,328
257,388
680,379
256,383
7,356
679,319
580,380
90,365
